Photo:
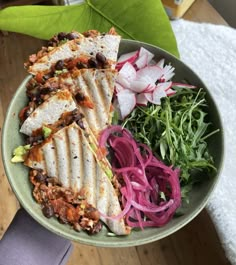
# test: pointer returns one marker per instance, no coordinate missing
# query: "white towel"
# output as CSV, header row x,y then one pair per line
x,y
210,50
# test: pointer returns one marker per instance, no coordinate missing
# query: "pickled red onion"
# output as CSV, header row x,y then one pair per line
x,y
142,178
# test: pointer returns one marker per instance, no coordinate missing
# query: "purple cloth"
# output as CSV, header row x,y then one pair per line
x,y
28,243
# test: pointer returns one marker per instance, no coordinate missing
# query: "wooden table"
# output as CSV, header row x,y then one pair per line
x,y
197,243
6,3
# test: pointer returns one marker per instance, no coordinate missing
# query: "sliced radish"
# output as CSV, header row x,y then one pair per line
x,y
165,85
156,96
152,73
127,102
170,92
128,71
120,79
183,85
161,63
149,96
118,87
126,74
168,72
139,86
141,99
137,79
150,88
149,55
158,93
168,76
142,61
128,57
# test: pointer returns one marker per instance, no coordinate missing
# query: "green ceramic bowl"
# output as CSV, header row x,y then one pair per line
x,y
18,174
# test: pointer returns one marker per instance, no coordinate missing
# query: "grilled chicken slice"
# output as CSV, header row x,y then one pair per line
x,y
49,111
93,90
81,47
67,156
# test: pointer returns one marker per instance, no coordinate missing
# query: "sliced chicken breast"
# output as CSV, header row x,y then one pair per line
x,y
67,156
49,111
97,86
82,46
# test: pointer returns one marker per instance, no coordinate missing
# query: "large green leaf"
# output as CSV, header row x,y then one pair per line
x,y
143,20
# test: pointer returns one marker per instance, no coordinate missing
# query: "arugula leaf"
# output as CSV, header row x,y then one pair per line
x,y
176,132
140,20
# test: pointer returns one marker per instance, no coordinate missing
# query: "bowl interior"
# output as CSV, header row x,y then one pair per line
x,y
18,174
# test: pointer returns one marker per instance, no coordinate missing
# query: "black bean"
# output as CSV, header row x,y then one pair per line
x,y
92,63
77,117
81,125
81,65
61,36
50,43
74,111
48,210
81,115
70,36
100,58
38,99
79,97
27,113
46,90
59,65
53,41
34,139
47,76
53,180
40,177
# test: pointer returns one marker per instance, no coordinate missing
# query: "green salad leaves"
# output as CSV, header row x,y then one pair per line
x,y
176,131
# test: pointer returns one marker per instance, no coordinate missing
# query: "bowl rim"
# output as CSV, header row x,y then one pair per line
x,y
92,241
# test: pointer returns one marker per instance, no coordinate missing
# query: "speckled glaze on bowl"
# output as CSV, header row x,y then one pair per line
x,y
18,174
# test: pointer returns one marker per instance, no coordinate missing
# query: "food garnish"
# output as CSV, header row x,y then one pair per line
x,y
19,153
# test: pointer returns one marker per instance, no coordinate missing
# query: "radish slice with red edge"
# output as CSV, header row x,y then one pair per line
x,y
127,102
168,72
182,85
126,74
142,61
139,86
141,99
149,89
128,57
149,55
165,85
156,96
122,81
170,92
152,73
128,71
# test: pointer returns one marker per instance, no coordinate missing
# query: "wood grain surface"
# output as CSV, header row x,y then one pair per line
x,y
195,244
